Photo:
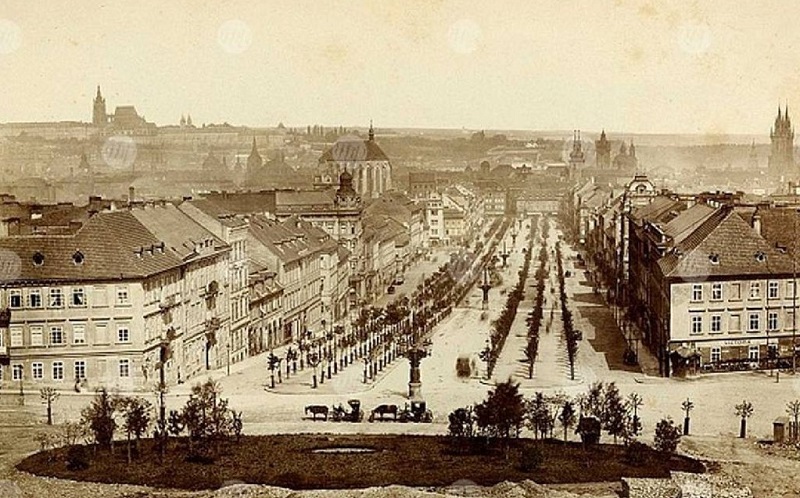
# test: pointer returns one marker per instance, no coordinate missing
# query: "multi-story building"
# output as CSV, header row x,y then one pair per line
x,y
723,295
434,219
297,261
101,306
232,230
266,330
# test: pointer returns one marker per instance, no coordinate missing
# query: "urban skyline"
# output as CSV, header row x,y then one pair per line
x,y
615,65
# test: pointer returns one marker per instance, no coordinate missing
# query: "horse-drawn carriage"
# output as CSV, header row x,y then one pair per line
x,y
417,413
341,414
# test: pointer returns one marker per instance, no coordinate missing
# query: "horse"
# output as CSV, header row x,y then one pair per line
x,y
383,410
317,409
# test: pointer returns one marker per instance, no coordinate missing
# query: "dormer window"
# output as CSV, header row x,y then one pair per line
x,y
760,257
38,258
78,258
713,259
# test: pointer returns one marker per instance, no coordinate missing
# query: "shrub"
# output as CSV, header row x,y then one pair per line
x,y
77,458
667,437
636,453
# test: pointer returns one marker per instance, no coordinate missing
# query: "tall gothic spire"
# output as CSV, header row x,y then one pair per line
x,y
371,132
99,95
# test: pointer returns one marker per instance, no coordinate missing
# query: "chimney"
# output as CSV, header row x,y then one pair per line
x,y
131,194
757,222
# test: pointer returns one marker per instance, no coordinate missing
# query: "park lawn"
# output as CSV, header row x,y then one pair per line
x,y
422,461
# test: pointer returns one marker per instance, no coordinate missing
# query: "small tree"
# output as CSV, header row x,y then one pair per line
x,y
793,409
49,396
99,418
667,436
538,415
136,419
614,412
633,424
461,427
502,413
687,406
744,410
567,417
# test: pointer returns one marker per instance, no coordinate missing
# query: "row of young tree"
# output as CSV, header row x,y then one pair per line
x,y
534,319
502,325
505,413
205,420
572,336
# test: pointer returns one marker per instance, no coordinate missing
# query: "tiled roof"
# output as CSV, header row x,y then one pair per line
x,y
724,245
113,245
686,222
781,226
349,149
178,231
657,209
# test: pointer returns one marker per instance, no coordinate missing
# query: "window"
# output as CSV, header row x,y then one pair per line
x,y
697,292
78,297
15,299
697,324
123,333
16,372
755,290
752,353
716,354
790,289
736,291
58,370
789,322
56,298
99,296
37,371
35,298
56,335
37,335
80,369
772,290
716,323
125,368
16,337
122,296
772,320
716,292
753,322
79,334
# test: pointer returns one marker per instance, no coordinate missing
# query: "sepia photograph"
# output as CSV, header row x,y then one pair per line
x,y
399,249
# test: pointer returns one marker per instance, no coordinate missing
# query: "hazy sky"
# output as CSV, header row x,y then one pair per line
x,y
712,66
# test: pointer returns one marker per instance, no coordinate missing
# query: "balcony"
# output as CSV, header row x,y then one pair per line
x,y
213,324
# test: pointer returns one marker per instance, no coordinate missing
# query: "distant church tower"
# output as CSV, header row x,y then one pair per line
x,y
602,149
576,158
781,158
99,116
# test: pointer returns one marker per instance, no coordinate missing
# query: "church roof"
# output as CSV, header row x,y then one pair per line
x,y
351,149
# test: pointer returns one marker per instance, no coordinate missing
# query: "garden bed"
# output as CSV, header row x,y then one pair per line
x,y
294,461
